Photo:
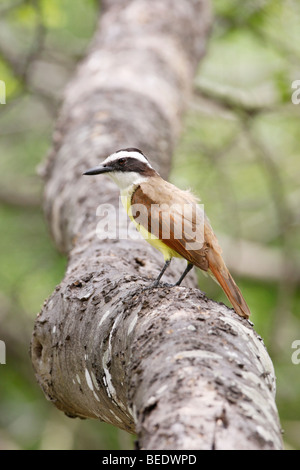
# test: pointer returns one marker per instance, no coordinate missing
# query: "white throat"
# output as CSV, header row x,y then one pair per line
x,y
127,180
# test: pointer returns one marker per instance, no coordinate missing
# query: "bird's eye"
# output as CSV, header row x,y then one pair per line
x,y
122,161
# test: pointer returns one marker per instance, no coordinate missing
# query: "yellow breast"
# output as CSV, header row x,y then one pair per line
x,y
167,252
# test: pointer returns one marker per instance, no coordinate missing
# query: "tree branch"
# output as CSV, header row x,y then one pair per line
x,y
180,370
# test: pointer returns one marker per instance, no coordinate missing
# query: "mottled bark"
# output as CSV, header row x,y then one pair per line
x,y
181,371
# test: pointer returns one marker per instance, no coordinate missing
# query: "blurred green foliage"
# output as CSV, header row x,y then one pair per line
x,y
239,151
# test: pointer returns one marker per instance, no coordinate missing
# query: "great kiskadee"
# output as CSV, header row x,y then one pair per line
x,y
142,187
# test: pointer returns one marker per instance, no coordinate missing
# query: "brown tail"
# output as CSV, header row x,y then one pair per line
x,y
224,278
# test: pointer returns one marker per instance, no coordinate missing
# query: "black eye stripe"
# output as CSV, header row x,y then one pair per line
x,y
128,164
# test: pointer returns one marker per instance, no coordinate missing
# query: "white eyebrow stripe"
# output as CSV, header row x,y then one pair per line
x,y
124,154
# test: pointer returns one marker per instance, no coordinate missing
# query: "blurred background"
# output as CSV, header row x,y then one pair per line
x,y
239,151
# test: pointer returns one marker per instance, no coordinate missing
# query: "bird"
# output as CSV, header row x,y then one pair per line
x,y
170,219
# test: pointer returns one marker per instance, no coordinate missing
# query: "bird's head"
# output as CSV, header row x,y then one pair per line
x,y
126,167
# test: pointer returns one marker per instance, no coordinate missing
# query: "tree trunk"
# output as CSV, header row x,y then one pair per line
x,y
181,371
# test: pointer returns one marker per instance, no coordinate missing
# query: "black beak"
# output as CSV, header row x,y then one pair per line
x,y
98,170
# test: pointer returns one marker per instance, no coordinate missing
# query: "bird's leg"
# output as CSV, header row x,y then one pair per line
x,y
166,265
186,271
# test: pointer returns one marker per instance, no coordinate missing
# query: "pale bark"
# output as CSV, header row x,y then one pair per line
x,y
180,370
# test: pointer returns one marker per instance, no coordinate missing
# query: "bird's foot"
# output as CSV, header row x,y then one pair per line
x,y
166,284
157,284
152,285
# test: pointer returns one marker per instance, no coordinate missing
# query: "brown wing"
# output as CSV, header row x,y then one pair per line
x,y
175,219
